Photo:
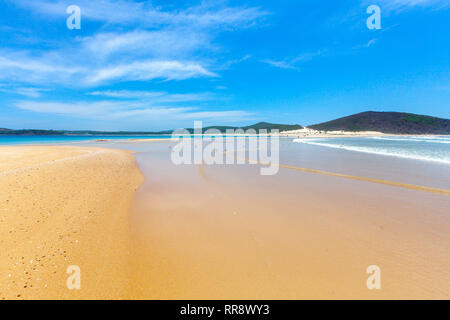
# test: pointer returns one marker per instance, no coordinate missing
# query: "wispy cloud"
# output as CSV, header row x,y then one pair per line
x,y
280,64
173,43
24,91
80,109
229,63
125,109
394,5
292,63
45,70
21,67
368,44
155,96
149,70
144,14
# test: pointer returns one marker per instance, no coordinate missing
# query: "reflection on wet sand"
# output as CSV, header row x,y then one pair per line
x,y
227,232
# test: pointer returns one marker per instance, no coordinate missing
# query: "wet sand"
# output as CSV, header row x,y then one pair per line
x,y
225,232
62,206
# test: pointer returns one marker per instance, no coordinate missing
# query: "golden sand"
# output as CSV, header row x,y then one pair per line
x,y
62,206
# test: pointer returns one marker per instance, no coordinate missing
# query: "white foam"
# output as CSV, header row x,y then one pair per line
x,y
415,139
375,150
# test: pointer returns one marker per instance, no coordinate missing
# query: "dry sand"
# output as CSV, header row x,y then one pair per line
x,y
62,206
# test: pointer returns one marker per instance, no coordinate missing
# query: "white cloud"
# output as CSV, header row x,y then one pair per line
x,y
291,63
80,108
308,56
412,3
129,94
405,4
229,63
144,14
22,68
24,91
149,70
52,69
156,43
279,64
154,96
371,42
98,110
366,45
119,11
119,110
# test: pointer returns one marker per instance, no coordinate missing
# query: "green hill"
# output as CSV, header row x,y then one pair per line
x,y
387,122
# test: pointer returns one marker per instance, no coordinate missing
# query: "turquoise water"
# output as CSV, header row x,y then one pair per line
x,y
16,140
425,148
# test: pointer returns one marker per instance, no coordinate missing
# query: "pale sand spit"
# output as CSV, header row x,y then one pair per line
x,y
311,133
62,206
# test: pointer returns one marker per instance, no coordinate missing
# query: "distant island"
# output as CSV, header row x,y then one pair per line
x,y
383,122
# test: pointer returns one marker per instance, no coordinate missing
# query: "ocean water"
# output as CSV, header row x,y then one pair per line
x,y
16,140
424,148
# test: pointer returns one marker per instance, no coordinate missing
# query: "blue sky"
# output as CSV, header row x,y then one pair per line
x,y
141,65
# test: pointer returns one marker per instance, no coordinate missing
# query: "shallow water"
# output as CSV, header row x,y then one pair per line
x,y
19,140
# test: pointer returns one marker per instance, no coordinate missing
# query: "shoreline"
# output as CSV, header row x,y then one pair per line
x,y
65,206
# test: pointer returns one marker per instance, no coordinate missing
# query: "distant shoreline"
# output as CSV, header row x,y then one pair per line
x,y
363,123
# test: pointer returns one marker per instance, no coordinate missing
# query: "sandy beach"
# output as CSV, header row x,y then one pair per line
x,y
219,232
63,206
